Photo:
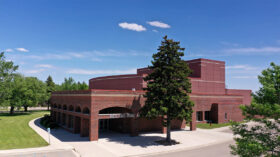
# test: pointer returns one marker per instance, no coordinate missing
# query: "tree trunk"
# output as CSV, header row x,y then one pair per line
x,y
25,108
48,106
12,110
168,135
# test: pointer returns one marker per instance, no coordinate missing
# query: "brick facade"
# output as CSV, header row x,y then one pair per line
x,y
113,102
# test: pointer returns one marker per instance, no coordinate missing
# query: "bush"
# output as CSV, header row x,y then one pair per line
x,y
47,122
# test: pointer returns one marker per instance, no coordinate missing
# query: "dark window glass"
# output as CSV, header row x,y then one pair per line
x,y
199,115
225,115
207,115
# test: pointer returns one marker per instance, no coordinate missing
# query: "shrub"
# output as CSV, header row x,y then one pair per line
x,y
47,122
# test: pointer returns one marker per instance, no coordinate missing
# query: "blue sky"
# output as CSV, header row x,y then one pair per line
x,y
86,39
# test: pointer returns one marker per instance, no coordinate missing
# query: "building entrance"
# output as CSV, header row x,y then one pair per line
x,y
104,125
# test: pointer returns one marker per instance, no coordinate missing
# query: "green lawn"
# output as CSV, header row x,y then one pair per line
x,y
16,133
213,125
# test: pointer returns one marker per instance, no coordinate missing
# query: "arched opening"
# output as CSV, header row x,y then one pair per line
x,y
86,111
115,119
71,108
64,107
78,109
59,106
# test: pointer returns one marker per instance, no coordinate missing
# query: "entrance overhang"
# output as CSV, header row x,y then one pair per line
x,y
116,115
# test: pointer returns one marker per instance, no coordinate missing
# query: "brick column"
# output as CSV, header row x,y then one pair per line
x,y
163,129
183,125
93,127
56,116
84,128
203,114
133,127
67,120
193,122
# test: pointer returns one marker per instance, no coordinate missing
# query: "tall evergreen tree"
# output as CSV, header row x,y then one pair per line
x,y
168,86
270,90
50,88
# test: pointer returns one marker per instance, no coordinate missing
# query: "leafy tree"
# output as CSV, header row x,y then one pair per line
x,y
7,72
82,86
70,84
36,92
168,85
262,138
18,91
50,88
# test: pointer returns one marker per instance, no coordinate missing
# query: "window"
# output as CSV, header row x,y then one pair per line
x,y
207,115
199,116
225,115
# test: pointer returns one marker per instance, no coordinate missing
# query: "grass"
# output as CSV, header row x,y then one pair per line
x,y
15,132
213,125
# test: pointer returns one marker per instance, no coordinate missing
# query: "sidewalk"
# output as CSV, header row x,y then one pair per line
x,y
56,145
112,144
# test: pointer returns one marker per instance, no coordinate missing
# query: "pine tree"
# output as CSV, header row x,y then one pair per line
x,y
168,86
50,88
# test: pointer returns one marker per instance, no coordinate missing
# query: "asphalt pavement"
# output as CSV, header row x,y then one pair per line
x,y
217,150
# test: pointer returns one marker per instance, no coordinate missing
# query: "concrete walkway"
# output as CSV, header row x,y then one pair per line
x,y
55,145
112,144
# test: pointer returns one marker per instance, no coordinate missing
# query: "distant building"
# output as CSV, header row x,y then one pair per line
x,y
112,102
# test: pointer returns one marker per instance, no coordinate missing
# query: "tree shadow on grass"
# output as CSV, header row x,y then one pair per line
x,y
15,114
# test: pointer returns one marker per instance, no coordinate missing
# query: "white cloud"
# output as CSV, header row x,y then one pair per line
x,y
9,50
96,59
94,55
77,55
254,50
44,66
33,71
49,56
115,53
100,72
242,67
158,24
154,30
132,26
22,49
245,77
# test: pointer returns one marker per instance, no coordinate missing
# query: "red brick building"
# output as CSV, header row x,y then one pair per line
x,y
112,102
